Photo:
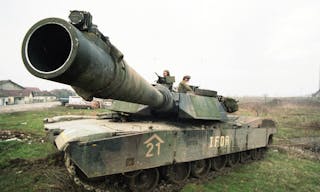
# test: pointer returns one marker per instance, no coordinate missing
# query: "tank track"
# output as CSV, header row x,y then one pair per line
x,y
119,182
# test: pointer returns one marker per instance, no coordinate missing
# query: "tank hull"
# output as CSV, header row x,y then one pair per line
x,y
131,146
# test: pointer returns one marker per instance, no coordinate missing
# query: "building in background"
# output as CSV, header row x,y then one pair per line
x,y
11,97
12,93
43,96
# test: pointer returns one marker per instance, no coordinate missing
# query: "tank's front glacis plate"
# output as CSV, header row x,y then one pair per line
x,y
88,130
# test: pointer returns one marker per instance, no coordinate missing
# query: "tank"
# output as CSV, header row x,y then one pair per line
x,y
152,131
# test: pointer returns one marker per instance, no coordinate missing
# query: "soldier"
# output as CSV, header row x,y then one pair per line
x,y
162,80
183,85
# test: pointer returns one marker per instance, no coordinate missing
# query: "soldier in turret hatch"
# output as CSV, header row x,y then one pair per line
x,y
162,80
166,80
183,85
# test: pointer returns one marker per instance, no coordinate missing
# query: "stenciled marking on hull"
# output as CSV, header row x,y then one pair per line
x,y
219,141
150,143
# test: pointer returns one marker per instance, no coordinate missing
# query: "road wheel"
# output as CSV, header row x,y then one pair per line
x,y
233,159
219,163
261,153
178,173
254,154
145,181
200,168
245,156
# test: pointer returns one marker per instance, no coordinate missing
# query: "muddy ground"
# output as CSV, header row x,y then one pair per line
x,y
19,136
50,169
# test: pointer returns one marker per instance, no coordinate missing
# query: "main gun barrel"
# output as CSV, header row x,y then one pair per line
x,y
56,50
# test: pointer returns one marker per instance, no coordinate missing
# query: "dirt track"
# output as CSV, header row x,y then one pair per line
x,y
27,107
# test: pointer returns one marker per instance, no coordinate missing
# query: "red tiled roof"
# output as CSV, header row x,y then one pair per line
x,y
34,89
15,93
43,93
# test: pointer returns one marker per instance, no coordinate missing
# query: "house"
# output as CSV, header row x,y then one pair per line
x,y
10,97
43,96
13,93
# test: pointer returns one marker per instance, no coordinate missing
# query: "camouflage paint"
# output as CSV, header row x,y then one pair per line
x,y
129,152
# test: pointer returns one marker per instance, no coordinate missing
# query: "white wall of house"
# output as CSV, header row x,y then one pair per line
x,y
41,99
28,99
10,100
19,100
3,101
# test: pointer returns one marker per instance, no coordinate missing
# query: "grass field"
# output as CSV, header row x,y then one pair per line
x,y
294,118
30,164
277,172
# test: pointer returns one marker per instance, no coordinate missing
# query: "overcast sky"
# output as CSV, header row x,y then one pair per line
x,y
235,47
